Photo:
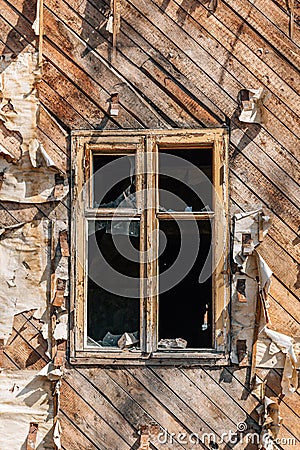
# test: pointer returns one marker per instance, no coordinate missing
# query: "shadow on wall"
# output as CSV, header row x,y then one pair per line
x,y
94,33
297,284
94,23
16,41
188,7
48,438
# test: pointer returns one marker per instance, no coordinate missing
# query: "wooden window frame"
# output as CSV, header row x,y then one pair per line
x,y
83,145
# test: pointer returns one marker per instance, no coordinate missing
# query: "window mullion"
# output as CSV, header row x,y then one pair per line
x,y
150,284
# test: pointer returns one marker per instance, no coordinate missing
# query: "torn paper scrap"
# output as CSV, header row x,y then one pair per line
x,y
5,154
289,382
251,277
36,23
6,229
110,24
49,161
241,290
25,398
248,228
114,18
57,434
270,420
264,274
50,372
19,107
244,300
32,435
251,101
24,184
25,259
144,442
63,241
286,344
258,389
59,296
61,328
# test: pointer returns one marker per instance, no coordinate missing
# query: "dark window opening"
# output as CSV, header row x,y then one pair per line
x,y
115,185
113,305
185,310
185,184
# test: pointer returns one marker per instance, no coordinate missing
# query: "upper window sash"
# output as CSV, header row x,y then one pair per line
x,y
117,149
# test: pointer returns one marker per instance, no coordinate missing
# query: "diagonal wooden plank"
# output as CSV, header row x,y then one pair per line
x,y
264,27
87,419
23,354
168,411
260,46
201,58
72,21
98,402
244,199
72,437
25,26
173,89
176,393
255,179
285,298
197,401
54,131
234,409
234,381
279,17
135,44
238,61
290,427
131,411
95,116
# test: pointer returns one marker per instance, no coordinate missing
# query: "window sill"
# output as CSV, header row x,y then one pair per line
x,y
161,358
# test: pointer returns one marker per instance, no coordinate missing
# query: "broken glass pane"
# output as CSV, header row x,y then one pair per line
x,y
185,180
114,181
185,310
113,306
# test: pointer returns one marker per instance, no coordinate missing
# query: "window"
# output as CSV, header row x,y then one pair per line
x,y
150,246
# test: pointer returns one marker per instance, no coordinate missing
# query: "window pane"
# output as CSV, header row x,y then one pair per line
x,y
113,285
185,309
185,178
114,181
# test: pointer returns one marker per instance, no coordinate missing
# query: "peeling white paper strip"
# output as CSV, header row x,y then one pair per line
x,y
24,259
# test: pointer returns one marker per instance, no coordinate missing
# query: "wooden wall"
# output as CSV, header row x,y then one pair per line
x,y
178,65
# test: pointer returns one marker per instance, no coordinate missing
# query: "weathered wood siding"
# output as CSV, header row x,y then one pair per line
x,y
178,65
